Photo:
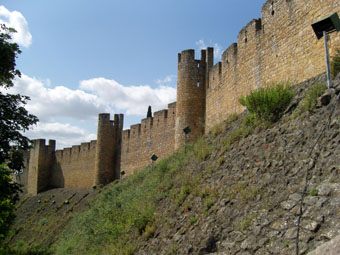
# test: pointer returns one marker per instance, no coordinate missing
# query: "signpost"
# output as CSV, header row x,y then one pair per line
x,y
153,158
323,26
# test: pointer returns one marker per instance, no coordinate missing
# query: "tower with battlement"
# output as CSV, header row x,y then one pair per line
x,y
279,46
191,87
107,157
41,159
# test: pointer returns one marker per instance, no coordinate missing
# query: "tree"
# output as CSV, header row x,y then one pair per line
x,y
14,119
149,113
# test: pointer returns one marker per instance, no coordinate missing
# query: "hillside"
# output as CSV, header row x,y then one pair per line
x,y
235,191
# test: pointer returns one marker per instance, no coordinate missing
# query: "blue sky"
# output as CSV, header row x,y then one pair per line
x,y
81,58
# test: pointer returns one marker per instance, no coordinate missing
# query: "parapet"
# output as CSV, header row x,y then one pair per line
x,y
230,55
186,56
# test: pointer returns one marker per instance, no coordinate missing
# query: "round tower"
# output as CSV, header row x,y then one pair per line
x,y
190,105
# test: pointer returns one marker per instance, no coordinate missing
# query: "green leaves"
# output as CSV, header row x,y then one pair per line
x,y
8,197
8,53
269,103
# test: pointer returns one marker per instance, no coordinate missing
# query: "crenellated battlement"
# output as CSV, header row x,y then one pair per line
x,y
278,46
153,135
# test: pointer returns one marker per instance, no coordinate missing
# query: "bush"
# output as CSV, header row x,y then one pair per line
x,y
335,64
268,104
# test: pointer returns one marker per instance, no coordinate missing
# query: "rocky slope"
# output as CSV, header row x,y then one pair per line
x,y
239,194
256,188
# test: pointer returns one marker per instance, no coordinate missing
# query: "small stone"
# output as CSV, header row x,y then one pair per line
x,y
312,226
291,233
327,96
288,205
295,197
280,225
324,190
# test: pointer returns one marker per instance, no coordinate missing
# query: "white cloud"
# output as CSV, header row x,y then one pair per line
x,y
57,107
133,100
65,134
169,80
17,21
217,48
48,103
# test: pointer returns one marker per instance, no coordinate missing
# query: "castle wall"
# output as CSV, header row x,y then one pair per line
x,y
74,167
191,87
278,47
154,135
40,163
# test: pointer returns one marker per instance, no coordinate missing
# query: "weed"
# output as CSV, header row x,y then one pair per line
x,y
309,101
217,129
269,103
247,128
246,222
314,192
149,231
172,250
193,219
201,149
231,118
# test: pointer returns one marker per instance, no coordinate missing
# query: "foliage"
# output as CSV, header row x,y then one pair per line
x,y
335,64
313,93
8,197
246,128
201,149
122,211
149,113
269,103
13,119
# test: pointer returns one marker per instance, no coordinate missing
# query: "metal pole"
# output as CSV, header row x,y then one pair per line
x,y
329,84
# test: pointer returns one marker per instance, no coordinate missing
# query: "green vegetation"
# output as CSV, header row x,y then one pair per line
x,y
193,219
201,149
14,119
269,103
309,101
335,64
314,192
123,211
128,210
246,222
247,128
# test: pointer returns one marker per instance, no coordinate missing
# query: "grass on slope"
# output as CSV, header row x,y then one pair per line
x,y
125,211
122,211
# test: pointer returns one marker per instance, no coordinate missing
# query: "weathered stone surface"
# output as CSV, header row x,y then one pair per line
x,y
330,248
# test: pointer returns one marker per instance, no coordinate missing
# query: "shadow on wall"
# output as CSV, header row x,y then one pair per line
x,y
57,177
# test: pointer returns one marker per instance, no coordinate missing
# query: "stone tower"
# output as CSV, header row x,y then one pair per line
x,y
191,90
107,159
41,160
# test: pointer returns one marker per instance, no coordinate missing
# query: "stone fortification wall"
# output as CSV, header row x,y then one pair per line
x,y
279,46
74,167
191,80
154,135
41,157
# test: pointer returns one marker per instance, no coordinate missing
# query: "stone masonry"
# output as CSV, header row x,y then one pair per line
x,y
278,47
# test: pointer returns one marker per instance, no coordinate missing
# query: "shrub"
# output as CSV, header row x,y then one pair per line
x,y
335,64
268,104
